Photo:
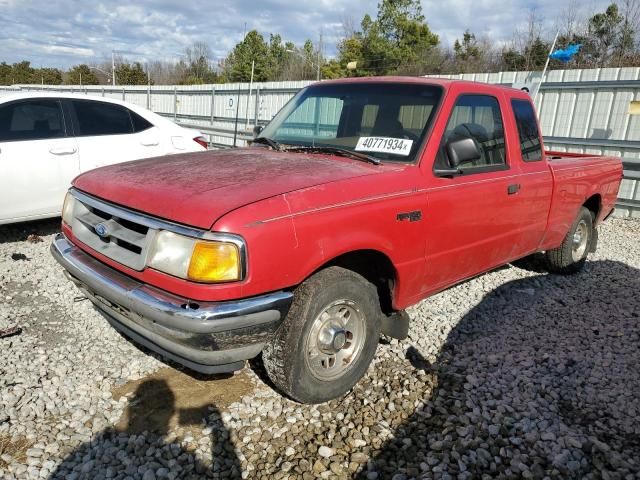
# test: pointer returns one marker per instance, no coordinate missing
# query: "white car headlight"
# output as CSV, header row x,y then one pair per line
x,y
207,261
67,209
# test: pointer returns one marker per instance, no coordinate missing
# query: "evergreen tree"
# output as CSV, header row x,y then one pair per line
x,y
397,38
131,74
81,74
252,49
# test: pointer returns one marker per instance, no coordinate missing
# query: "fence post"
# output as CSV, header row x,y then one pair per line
x,y
213,104
175,103
257,109
148,97
103,91
123,94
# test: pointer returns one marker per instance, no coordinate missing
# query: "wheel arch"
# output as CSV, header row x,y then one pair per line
x,y
594,205
373,265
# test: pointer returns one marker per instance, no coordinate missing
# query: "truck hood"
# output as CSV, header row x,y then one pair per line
x,y
196,189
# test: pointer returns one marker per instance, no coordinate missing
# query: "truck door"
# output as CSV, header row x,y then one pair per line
x,y
474,217
536,181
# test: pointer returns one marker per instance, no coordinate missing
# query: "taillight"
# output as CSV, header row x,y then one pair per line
x,y
201,141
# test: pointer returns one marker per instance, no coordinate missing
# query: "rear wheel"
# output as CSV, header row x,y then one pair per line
x,y
328,339
571,255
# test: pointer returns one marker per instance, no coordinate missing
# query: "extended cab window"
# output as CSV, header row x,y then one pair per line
x,y
100,118
527,123
477,117
31,120
384,120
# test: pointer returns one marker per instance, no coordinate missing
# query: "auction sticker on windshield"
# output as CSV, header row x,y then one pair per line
x,y
396,146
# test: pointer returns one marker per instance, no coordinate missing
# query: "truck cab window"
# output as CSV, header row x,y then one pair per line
x,y
527,130
31,120
478,117
387,121
315,116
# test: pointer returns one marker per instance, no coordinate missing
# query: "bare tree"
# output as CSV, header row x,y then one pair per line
x,y
631,12
198,58
625,35
348,26
531,37
167,72
570,21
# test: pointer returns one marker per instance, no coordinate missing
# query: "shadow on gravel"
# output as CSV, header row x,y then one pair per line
x,y
538,380
19,232
145,448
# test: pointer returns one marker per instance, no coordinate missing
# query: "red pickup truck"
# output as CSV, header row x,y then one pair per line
x,y
360,198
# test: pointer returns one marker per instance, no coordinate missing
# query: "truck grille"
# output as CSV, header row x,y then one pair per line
x,y
113,231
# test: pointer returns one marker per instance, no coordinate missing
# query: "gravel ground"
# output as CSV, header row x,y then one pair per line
x,y
515,374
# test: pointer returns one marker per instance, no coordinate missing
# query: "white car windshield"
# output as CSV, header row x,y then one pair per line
x,y
385,121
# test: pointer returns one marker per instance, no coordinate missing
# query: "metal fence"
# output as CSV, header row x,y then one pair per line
x,y
585,111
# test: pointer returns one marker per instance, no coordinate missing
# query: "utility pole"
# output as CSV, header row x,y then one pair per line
x,y
235,129
546,65
318,59
113,68
253,64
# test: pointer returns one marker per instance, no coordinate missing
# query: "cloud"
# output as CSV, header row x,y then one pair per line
x,y
72,51
498,20
66,32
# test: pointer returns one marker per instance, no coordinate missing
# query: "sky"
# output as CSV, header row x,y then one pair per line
x,y
61,33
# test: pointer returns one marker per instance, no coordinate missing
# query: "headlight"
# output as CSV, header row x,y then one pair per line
x,y
207,261
67,209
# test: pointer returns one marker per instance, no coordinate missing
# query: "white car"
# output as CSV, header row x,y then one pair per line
x,y
47,139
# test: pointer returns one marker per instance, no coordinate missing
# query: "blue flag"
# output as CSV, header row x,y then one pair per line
x,y
567,54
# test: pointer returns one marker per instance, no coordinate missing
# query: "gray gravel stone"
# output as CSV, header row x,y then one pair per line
x,y
513,374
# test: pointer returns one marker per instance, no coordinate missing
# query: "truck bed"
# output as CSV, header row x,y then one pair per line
x,y
580,177
553,156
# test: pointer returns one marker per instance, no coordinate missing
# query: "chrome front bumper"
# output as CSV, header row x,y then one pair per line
x,y
208,337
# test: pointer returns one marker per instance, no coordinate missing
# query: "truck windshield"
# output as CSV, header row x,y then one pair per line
x,y
387,121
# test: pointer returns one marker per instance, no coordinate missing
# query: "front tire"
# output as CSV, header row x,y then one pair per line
x,y
571,255
328,339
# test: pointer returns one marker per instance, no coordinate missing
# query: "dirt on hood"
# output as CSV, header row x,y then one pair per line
x,y
198,188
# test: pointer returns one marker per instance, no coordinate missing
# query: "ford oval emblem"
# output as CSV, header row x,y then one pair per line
x,y
102,230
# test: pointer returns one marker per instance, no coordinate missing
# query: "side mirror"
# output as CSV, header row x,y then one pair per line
x,y
459,151
256,130
462,150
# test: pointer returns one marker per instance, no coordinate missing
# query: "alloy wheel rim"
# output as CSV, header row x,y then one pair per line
x,y
335,340
579,243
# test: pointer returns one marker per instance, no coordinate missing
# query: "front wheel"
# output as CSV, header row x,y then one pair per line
x,y
328,338
571,255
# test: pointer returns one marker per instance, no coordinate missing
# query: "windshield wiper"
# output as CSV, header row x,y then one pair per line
x,y
336,151
268,141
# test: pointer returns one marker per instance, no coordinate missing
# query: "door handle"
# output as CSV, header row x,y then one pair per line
x,y
513,188
62,150
149,143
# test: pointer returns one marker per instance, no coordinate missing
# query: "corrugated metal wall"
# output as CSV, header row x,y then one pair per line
x,y
584,111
